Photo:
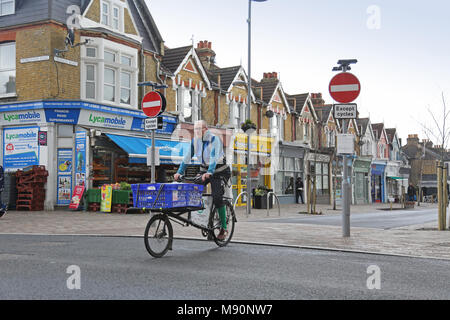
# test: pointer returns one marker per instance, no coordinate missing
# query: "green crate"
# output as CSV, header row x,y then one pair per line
x,y
121,196
94,196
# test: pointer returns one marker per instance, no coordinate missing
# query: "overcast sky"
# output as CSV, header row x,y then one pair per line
x,y
402,47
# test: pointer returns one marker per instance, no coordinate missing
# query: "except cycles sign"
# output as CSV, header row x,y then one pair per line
x,y
345,111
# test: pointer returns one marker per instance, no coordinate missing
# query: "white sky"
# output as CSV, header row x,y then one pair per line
x,y
403,66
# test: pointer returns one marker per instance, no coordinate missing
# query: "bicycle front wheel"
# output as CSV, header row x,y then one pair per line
x,y
158,236
216,225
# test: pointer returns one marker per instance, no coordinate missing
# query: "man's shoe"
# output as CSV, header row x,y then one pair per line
x,y
222,235
2,212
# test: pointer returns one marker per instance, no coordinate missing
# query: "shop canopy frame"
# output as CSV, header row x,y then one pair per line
x,y
170,151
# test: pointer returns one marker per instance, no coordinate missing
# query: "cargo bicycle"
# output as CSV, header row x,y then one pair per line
x,y
187,205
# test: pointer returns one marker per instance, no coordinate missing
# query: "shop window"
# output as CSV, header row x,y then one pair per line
x,y
7,7
8,69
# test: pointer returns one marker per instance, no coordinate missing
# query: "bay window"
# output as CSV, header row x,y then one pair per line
x,y
7,69
189,104
109,73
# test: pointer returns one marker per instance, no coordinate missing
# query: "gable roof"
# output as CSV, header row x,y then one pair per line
x,y
378,129
227,76
323,113
300,100
363,123
173,58
31,11
390,133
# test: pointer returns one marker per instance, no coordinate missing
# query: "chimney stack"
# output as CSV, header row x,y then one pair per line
x,y
206,54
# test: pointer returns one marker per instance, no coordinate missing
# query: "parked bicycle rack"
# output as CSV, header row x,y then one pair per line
x,y
278,203
237,199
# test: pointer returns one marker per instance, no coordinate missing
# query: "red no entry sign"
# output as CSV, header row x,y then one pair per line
x,y
153,104
344,87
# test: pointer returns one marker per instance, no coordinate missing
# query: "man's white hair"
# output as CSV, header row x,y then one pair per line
x,y
201,123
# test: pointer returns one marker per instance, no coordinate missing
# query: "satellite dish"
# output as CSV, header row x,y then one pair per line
x,y
70,38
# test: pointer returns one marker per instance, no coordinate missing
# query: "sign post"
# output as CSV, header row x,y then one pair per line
x,y
153,104
345,88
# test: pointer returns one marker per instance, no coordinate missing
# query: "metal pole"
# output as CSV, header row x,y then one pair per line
x,y
445,195
249,187
153,157
345,194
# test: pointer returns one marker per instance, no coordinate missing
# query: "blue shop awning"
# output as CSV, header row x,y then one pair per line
x,y
170,152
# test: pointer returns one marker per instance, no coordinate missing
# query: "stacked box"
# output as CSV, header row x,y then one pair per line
x,y
30,184
177,195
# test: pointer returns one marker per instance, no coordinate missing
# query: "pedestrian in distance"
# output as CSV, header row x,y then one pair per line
x,y
411,192
299,190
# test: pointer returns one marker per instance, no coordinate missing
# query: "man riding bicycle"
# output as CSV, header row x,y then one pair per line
x,y
208,149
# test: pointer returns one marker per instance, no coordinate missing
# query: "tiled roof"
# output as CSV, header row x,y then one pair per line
x,y
323,113
173,57
363,123
268,89
300,100
390,134
227,76
28,11
378,129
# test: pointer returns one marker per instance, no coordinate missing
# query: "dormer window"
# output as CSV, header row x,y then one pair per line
x,y
7,7
111,15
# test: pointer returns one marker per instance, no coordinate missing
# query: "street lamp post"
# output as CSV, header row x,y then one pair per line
x,y
249,21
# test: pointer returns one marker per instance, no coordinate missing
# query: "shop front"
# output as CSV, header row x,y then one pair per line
x,y
75,142
378,182
290,167
361,178
260,163
319,172
393,181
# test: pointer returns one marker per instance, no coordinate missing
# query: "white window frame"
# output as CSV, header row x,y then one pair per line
x,y
10,94
106,14
102,46
7,1
195,103
90,81
111,19
280,121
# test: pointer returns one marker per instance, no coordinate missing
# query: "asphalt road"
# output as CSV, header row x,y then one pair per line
x,y
36,267
377,220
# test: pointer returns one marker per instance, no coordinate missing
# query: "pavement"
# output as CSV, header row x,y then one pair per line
x,y
423,241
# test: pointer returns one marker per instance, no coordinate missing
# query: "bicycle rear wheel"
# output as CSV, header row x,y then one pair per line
x,y
158,236
215,224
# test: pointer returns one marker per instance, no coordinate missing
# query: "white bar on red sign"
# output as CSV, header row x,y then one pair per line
x,y
344,87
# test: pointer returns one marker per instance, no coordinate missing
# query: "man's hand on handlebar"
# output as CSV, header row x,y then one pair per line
x,y
177,176
206,176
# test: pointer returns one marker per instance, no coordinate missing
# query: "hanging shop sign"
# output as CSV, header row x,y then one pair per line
x,y
64,176
42,138
20,148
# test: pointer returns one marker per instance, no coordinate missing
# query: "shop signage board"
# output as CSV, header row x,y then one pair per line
x,y
105,120
80,158
22,117
64,176
344,87
106,199
20,148
60,115
77,195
